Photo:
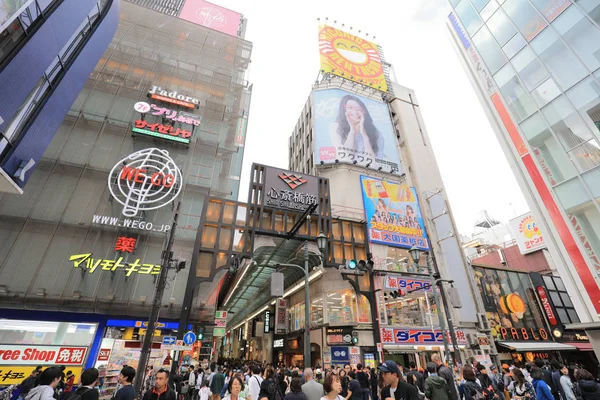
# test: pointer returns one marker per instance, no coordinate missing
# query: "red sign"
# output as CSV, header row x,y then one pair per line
x,y
139,175
41,355
104,355
125,244
164,129
523,334
546,305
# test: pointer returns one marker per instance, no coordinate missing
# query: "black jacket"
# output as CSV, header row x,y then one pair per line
x,y
168,395
419,379
404,391
590,390
445,373
87,393
471,388
295,396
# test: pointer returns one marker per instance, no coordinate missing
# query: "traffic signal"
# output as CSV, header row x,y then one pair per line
x,y
200,336
393,294
351,264
354,337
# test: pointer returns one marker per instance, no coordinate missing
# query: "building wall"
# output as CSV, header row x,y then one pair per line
x,y
540,91
514,260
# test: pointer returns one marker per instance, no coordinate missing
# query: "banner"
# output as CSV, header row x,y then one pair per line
x,y
203,13
281,307
15,374
41,355
353,129
351,57
393,214
527,234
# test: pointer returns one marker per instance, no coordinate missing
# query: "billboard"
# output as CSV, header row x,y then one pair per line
x,y
527,234
393,214
351,57
287,190
203,13
353,129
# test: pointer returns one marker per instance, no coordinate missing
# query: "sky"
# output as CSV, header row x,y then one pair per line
x,y
413,34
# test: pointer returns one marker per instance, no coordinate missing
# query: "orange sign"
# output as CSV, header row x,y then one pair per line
x,y
351,57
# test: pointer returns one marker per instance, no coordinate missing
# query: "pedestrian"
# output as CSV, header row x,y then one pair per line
x,y
254,383
311,388
395,388
332,387
363,378
373,384
520,387
236,385
126,392
161,389
567,384
87,390
586,386
344,380
415,378
295,392
472,390
486,383
217,383
354,390
30,382
268,387
204,393
445,373
69,383
435,387
49,380
542,390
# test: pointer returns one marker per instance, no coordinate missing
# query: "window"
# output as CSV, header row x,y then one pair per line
x,y
585,96
489,50
412,310
566,123
479,4
524,16
551,9
530,69
340,307
454,2
517,97
566,69
546,92
501,27
514,45
488,10
469,18
581,35
316,312
586,222
591,7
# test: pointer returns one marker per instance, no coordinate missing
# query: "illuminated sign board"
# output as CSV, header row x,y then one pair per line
x,y
278,343
267,320
289,190
418,336
158,93
336,336
86,262
41,355
125,244
162,131
541,291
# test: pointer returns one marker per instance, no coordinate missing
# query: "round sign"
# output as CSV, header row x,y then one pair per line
x,y
145,180
141,107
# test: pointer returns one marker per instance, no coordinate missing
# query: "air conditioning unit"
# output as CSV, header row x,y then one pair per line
x,y
483,322
472,339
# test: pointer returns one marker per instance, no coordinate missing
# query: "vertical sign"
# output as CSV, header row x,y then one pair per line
x,y
267,321
281,316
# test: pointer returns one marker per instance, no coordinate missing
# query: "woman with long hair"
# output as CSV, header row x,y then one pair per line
x,y
354,128
542,390
520,388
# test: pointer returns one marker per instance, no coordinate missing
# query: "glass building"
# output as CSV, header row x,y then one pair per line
x,y
535,65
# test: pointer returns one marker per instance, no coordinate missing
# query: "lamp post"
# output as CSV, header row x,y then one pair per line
x,y
415,254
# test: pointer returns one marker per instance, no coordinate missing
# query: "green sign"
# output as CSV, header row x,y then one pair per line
x,y
219,332
161,135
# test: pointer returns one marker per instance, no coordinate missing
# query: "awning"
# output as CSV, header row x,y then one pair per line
x,y
536,346
583,346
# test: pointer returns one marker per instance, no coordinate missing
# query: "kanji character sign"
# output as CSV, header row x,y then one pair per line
x,y
125,244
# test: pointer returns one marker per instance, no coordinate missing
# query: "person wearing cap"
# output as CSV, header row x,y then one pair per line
x,y
396,388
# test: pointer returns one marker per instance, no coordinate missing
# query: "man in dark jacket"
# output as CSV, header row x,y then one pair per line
x,y
435,386
414,377
445,373
395,388
556,386
30,382
217,383
161,389
89,380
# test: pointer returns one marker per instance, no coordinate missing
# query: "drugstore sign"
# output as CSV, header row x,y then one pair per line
x,y
418,336
41,355
396,282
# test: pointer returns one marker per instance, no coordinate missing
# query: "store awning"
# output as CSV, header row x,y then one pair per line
x,y
536,346
583,346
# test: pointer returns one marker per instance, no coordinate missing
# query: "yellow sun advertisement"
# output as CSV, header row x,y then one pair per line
x,y
351,57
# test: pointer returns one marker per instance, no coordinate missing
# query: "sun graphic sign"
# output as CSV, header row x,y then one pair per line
x,y
351,57
527,233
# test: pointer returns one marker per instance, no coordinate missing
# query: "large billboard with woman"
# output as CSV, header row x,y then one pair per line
x,y
353,129
393,214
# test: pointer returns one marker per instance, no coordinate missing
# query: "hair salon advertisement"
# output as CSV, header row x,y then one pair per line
x,y
354,129
393,214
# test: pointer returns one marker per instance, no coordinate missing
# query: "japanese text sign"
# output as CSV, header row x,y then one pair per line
x,y
41,355
527,234
125,244
162,131
337,336
15,374
86,262
392,282
418,336
288,190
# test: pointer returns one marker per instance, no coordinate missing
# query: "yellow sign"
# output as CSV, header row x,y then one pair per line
x,y
351,57
142,331
86,261
14,375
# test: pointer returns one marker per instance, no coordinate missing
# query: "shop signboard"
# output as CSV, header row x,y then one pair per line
x,y
395,282
212,16
287,190
162,131
338,336
15,374
281,307
87,263
219,332
393,214
42,355
221,315
546,305
483,341
278,343
158,93
104,354
267,321
527,234
340,354
356,130
419,336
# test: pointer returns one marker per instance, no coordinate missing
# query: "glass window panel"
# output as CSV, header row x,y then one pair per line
x,y
479,4
592,7
209,236
529,68
592,180
556,299
489,50
489,10
228,213
224,239
335,229
562,315
239,239
572,194
581,35
341,306
549,282
525,18
240,218
585,96
514,45
348,254
337,252
347,231
551,9
468,16
549,153
359,233
454,2
566,123
573,315
586,156
213,212
545,93
560,61
566,299
586,222
501,27
517,97
411,311
316,312
559,283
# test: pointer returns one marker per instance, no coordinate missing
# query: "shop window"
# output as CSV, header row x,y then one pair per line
x,y
519,102
46,333
363,310
591,7
297,317
501,27
316,312
581,35
489,50
468,16
412,310
341,306
525,17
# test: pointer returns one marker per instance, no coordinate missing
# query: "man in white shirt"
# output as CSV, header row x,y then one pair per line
x,y
254,383
191,383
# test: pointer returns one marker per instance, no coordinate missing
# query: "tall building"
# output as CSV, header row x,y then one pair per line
x,y
159,120
535,67
47,51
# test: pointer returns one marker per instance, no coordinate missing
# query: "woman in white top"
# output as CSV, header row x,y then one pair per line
x,y
332,387
236,385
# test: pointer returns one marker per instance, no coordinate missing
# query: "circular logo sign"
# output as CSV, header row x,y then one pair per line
x,y
528,227
141,107
145,180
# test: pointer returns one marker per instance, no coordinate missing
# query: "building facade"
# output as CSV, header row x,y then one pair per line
x,y
535,68
159,120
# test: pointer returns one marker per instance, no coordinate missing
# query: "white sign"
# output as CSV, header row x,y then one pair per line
x,y
527,234
41,355
141,107
278,343
145,180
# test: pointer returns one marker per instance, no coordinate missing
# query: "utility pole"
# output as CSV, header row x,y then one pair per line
x,y
156,303
306,310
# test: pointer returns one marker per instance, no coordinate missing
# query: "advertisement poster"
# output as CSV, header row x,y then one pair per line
x,y
351,57
353,129
211,16
527,234
393,213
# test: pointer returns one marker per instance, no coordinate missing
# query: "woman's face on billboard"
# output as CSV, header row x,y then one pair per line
x,y
354,111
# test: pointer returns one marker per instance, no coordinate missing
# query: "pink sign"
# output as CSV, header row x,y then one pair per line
x,y
212,16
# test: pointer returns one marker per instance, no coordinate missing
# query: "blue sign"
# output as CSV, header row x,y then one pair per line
x,y
189,338
169,340
340,354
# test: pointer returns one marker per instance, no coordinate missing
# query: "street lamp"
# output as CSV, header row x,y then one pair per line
x,y
322,243
415,254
